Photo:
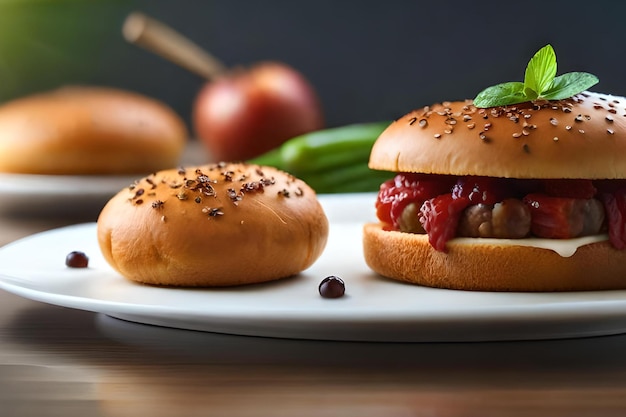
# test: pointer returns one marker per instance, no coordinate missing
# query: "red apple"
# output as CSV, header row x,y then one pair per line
x,y
245,113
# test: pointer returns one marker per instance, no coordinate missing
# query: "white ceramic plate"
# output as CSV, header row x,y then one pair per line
x,y
373,309
62,194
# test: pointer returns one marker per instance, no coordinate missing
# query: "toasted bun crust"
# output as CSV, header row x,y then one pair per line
x,y
409,257
581,137
213,225
89,130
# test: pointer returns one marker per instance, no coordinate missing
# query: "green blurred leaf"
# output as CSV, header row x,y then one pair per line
x,y
46,43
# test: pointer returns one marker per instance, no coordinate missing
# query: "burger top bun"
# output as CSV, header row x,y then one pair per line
x,y
528,140
213,225
89,130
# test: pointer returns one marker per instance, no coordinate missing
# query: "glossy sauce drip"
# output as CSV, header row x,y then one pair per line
x,y
563,247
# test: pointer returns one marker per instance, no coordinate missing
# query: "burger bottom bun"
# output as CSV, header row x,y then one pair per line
x,y
488,267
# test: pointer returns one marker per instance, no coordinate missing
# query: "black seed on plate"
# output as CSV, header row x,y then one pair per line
x,y
77,259
332,287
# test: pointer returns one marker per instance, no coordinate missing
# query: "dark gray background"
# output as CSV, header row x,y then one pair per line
x,y
369,60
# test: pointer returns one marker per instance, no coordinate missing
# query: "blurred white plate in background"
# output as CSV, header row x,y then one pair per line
x,y
25,194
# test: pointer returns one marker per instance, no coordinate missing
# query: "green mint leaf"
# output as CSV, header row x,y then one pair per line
x,y
530,94
540,82
570,84
540,72
501,95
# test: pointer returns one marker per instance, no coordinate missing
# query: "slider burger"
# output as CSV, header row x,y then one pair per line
x,y
213,225
517,190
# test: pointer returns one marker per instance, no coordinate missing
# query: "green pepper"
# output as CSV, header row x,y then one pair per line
x,y
331,160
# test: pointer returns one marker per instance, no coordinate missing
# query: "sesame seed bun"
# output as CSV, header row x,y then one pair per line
x,y
583,137
88,131
213,225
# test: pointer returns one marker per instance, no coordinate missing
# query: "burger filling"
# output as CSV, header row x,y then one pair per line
x,y
446,206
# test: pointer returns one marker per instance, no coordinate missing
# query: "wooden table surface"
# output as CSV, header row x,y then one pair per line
x,y
57,361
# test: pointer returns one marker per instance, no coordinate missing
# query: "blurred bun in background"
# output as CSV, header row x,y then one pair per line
x,y
78,130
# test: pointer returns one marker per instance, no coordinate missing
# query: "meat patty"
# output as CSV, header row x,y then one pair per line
x,y
509,219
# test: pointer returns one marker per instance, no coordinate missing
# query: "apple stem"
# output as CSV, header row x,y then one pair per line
x,y
164,41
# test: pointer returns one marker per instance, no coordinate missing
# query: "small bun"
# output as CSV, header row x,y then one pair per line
x,y
213,225
491,267
528,140
89,130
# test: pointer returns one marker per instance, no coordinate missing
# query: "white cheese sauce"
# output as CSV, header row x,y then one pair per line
x,y
564,247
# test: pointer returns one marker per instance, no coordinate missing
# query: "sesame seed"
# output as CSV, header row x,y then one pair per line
x,y
423,123
610,131
212,211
